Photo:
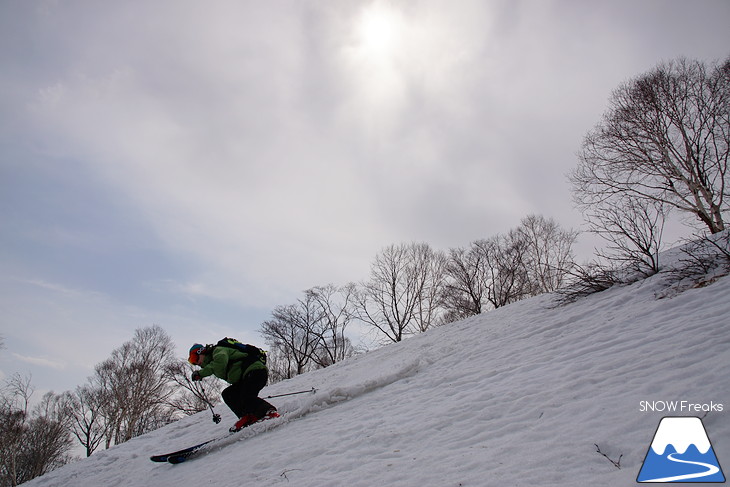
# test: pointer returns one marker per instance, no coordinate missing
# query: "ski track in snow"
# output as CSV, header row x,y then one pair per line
x,y
517,396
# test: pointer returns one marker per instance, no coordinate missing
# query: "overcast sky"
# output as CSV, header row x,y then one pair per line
x,y
194,164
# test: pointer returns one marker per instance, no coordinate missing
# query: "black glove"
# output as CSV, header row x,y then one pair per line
x,y
196,376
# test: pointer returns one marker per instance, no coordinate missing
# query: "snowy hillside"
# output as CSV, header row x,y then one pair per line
x,y
519,396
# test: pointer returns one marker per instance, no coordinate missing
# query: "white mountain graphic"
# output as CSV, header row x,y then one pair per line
x,y
681,432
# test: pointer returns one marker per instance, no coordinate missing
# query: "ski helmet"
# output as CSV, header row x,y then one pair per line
x,y
195,350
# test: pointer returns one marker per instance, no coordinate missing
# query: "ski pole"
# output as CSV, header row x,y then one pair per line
x,y
312,390
216,417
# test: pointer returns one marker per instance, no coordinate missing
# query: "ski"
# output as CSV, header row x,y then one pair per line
x,y
181,455
185,452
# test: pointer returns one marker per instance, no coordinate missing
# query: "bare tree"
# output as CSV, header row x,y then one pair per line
x,y
429,267
466,286
311,333
397,300
86,422
335,304
49,441
134,386
15,399
666,139
534,258
634,229
280,363
503,257
294,332
548,253
31,442
387,300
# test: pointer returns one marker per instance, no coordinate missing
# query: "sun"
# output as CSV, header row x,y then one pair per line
x,y
378,30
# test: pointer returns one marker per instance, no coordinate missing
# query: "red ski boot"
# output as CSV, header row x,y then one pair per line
x,y
271,414
246,420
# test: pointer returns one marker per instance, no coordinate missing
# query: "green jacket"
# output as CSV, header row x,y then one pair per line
x,y
229,364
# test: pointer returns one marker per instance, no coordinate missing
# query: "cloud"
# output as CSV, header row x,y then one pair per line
x,y
197,164
40,361
291,167
61,289
242,183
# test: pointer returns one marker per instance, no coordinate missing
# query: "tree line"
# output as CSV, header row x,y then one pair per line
x,y
413,287
661,150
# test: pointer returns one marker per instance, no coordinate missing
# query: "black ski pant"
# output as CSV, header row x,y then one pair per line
x,y
242,397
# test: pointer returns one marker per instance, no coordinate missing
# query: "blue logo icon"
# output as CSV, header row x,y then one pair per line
x,y
681,452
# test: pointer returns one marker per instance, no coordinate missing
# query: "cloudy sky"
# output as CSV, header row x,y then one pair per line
x,y
194,164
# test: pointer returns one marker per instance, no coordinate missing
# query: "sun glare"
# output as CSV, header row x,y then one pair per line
x,y
378,29
390,52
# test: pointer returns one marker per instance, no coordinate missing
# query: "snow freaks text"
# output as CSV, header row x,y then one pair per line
x,y
679,407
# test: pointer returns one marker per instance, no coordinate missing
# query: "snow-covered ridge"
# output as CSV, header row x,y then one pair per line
x,y
516,396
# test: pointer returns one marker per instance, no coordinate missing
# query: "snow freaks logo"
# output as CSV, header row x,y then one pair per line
x,y
680,452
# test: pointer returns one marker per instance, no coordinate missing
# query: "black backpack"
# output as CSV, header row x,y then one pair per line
x,y
254,353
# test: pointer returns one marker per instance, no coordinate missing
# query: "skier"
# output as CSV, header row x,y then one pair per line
x,y
247,374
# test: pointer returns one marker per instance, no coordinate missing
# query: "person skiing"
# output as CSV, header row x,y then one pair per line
x,y
247,373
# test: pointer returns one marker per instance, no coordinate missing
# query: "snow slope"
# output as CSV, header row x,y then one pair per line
x,y
519,396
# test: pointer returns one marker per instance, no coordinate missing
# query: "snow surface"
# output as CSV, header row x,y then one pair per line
x,y
519,396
